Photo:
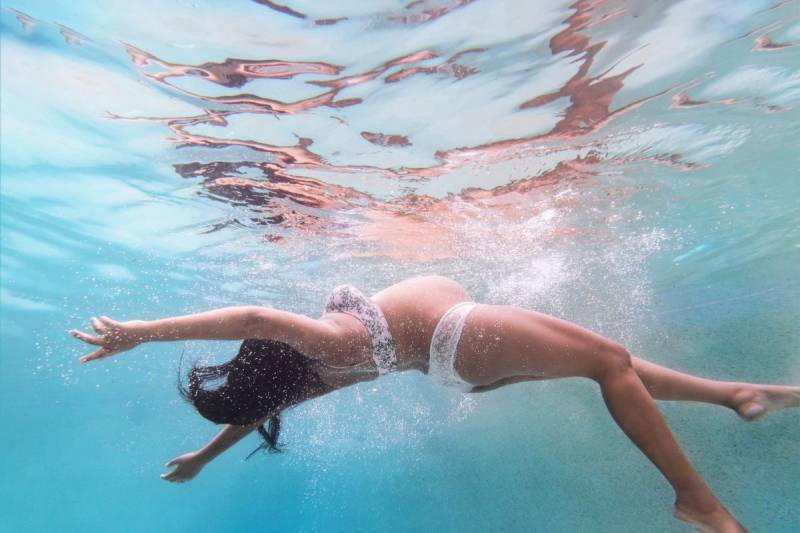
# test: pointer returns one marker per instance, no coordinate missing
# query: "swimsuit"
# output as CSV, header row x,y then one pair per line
x,y
444,344
347,299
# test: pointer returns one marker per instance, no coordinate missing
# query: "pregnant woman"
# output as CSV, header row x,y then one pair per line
x,y
429,324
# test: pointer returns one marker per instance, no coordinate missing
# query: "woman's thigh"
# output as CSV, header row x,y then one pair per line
x,y
502,341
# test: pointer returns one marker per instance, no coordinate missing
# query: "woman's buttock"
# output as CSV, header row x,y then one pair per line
x,y
477,361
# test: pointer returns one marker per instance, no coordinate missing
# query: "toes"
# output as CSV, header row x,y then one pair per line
x,y
752,411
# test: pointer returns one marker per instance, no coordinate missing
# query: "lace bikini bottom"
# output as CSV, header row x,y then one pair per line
x,y
444,344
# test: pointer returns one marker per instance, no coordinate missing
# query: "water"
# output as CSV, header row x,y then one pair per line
x,y
630,166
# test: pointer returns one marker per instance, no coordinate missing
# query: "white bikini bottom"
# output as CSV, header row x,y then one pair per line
x,y
444,344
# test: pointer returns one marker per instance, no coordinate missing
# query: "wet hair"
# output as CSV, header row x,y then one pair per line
x,y
265,377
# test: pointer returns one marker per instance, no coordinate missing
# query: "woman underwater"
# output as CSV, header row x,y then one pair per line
x,y
429,324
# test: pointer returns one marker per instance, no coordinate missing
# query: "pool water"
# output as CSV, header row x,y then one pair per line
x,y
629,166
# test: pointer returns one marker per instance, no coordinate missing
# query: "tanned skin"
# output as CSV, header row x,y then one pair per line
x,y
499,345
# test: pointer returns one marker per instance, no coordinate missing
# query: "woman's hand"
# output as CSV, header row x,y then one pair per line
x,y
186,467
112,337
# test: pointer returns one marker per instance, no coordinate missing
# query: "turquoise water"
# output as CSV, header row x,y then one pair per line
x,y
630,166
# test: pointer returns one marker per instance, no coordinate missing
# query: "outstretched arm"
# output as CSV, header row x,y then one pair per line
x,y
308,335
189,464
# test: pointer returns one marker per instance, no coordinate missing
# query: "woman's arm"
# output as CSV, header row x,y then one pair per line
x,y
189,464
307,335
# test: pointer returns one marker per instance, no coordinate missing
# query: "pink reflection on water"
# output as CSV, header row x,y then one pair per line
x,y
281,8
424,11
449,68
765,44
382,139
682,100
71,37
24,20
411,226
231,72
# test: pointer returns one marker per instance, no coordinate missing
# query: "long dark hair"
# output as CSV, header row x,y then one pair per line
x,y
265,377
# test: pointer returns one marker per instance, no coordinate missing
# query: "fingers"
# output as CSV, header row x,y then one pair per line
x,y
92,356
102,353
98,326
174,477
171,463
85,337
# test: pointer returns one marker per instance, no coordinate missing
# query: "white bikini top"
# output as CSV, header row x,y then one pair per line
x,y
347,299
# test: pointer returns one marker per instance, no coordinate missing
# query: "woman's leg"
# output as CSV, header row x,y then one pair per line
x,y
499,342
667,384
751,401
635,411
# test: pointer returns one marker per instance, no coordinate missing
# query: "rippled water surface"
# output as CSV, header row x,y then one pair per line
x,y
630,166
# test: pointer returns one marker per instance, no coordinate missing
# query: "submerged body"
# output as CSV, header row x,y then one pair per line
x,y
500,343
430,324
411,308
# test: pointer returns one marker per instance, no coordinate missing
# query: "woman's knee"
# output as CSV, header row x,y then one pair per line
x,y
613,358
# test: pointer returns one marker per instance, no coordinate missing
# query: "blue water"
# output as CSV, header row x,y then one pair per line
x,y
630,166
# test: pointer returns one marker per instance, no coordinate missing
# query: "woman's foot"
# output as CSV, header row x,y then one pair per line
x,y
752,402
708,519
